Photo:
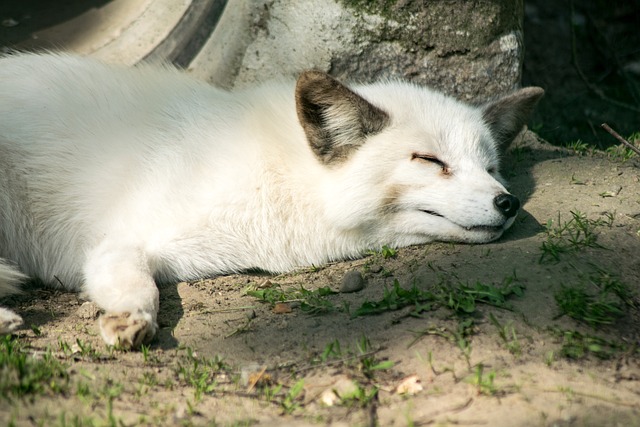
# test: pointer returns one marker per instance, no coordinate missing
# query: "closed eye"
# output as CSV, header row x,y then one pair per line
x,y
431,159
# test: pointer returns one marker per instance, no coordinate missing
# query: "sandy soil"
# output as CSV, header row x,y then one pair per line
x,y
469,374
223,357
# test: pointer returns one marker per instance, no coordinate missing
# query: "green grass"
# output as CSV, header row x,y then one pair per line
x,y
579,147
360,397
360,361
508,335
368,362
484,382
573,235
623,153
576,345
620,153
365,365
311,301
388,252
199,373
397,298
24,373
461,298
460,336
331,351
292,398
576,302
363,359
465,297
600,301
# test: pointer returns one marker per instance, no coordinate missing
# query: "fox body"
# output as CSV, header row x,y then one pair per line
x,y
113,178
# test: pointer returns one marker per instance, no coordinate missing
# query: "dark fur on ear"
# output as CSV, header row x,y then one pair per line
x,y
335,119
507,116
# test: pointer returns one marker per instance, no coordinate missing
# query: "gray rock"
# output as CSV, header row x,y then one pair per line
x,y
352,282
472,50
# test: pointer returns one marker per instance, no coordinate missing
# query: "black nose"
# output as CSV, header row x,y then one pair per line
x,y
507,204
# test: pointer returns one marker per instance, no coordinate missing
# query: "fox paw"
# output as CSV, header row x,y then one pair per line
x,y
9,321
127,330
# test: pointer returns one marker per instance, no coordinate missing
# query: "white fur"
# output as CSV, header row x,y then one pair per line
x,y
113,178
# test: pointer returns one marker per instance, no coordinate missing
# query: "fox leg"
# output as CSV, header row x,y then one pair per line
x,y
9,321
118,278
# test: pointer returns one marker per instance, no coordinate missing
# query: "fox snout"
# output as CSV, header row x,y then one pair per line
x,y
507,204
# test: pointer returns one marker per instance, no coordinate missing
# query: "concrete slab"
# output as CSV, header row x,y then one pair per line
x,y
121,31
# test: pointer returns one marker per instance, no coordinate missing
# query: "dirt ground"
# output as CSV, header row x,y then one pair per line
x,y
224,357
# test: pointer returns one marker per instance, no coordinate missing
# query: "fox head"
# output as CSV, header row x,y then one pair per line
x,y
411,165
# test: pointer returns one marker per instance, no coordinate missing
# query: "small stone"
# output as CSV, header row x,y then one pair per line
x,y
352,282
329,398
88,310
375,269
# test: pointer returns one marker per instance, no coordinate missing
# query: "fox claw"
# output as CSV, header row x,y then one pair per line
x,y
9,321
127,330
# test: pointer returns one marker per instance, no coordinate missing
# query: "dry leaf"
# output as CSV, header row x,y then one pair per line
x,y
282,307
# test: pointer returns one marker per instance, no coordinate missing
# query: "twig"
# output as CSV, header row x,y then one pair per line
x,y
612,400
336,361
227,310
252,383
617,136
431,419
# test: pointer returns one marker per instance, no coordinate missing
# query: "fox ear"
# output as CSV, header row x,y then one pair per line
x,y
507,116
335,119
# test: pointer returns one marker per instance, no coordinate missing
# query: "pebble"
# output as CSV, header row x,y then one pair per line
x,y
375,269
352,282
88,310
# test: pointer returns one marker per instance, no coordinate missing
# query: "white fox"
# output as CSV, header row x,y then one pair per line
x,y
113,178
